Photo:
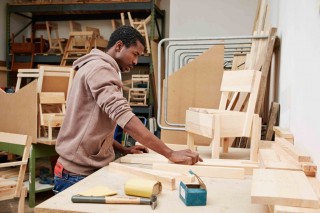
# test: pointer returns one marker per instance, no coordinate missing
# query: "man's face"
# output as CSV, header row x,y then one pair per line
x,y
128,57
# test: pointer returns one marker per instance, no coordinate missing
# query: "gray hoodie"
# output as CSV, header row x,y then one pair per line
x,y
95,105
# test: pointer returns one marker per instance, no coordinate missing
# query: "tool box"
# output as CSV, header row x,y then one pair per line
x,y
193,194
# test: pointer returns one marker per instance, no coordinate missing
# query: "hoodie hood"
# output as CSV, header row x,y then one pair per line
x,y
94,55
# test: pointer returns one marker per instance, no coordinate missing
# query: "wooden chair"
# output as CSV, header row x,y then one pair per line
x,y
52,119
99,41
55,42
79,44
26,49
225,122
11,188
141,26
56,79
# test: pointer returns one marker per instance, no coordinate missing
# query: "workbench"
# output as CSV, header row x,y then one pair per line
x,y
224,195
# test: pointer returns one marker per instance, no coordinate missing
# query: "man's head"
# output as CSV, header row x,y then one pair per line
x,y
125,45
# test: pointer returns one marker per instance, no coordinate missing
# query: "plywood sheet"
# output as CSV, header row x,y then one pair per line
x,y
18,111
280,187
197,84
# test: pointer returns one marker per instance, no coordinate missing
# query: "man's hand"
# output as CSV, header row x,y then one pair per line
x,y
138,149
185,157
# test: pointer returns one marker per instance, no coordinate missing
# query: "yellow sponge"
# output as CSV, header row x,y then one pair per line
x,y
142,187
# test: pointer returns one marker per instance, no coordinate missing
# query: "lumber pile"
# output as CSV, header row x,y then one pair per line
x,y
283,155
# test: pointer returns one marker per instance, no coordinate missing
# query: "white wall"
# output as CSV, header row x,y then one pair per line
x,y
299,88
211,18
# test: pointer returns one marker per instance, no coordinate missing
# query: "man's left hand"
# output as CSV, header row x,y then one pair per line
x,y
138,149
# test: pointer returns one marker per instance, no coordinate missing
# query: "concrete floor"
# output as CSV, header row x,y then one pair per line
x,y
11,206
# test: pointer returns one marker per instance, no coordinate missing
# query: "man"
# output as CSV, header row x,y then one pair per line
x,y
96,105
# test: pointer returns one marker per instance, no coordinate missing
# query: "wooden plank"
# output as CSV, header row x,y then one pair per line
x,y
307,167
273,118
280,187
167,181
145,158
246,165
207,70
292,151
269,159
289,209
282,132
203,171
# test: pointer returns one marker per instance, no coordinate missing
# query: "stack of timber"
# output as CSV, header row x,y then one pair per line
x,y
282,154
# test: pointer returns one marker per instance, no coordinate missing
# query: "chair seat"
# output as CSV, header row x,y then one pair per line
x,y
202,122
53,120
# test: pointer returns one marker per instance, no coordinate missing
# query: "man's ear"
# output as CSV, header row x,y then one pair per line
x,y
118,46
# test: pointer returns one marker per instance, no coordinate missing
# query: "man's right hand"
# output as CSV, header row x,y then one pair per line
x,y
185,157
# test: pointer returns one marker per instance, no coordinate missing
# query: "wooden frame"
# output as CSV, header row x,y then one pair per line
x,y
8,187
141,26
220,123
55,42
52,119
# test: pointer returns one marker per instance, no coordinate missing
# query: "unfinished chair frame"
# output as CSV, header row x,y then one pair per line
x,y
141,26
223,122
10,188
52,119
55,42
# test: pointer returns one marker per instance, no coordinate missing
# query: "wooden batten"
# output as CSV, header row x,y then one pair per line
x,y
280,187
203,171
168,182
292,151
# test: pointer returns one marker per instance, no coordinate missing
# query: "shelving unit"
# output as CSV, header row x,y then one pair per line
x,y
82,11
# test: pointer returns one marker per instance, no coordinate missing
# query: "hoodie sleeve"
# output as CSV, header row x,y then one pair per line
x,y
105,85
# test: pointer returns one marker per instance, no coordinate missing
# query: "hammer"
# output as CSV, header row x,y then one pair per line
x,y
152,201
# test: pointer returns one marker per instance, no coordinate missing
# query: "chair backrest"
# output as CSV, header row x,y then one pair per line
x,y
54,99
233,84
28,73
7,143
53,36
56,79
75,26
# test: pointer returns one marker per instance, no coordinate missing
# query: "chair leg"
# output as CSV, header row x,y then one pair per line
x,y
216,139
190,141
225,145
22,198
255,138
49,132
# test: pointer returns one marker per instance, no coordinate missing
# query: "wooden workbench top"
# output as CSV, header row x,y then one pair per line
x,y
224,195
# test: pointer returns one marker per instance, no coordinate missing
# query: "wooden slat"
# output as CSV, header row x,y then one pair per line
x,y
204,171
18,163
240,81
168,182
280,187
13,138
282,132
292,151
145,158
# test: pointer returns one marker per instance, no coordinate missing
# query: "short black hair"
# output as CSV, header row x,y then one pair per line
x,y
128,35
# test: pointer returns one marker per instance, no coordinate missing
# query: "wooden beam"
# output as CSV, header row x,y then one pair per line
x,y
280,187
204,171
273,119
167,179
292,151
